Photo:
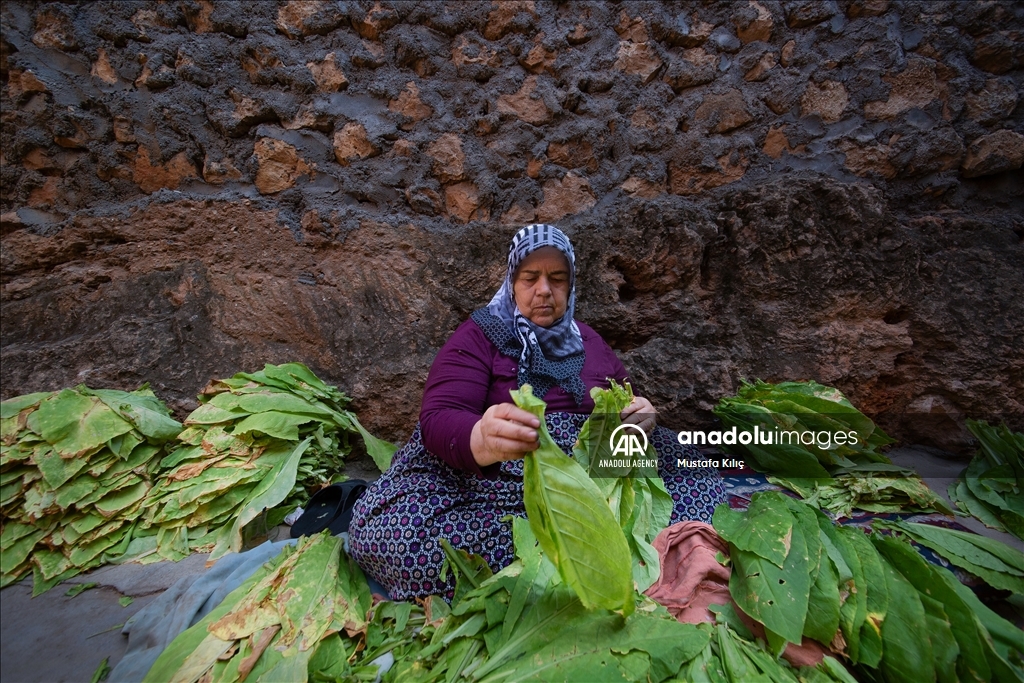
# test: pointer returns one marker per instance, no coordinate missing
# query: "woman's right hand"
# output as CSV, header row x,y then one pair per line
x,y
505,432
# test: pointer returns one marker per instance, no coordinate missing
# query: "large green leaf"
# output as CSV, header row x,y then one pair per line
x,y
378,449
998,564
765,529
273,423
56,470
143,409
12,406
175,654
573,523
76,424
776,597
271,491
906,649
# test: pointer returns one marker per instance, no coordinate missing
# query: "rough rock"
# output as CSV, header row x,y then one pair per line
x,y
463,202
827,100
102,69
915,86
449,159
994,102
507,16
753,23
572,194
996,153
696,67
352,144
691,181
409,104
279,165
328,76
868,160
723,112
639,59
152,177
573,154
526,103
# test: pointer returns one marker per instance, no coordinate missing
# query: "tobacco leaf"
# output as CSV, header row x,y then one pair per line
x,y
996,563
765,529
907,650
573,523
636,496
76,424
776,597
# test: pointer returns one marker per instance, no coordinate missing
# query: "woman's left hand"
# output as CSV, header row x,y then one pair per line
x,y
641,413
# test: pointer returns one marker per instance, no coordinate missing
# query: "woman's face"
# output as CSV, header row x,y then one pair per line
x,y
541,286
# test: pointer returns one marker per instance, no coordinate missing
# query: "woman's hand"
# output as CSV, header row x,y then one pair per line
x,y
640,413
505,432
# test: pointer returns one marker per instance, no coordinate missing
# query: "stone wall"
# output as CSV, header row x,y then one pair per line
x,y
824,190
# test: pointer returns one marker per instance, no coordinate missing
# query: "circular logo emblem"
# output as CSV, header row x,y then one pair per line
x,y
628,440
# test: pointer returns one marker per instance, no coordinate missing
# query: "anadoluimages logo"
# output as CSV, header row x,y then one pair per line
x,y
628,441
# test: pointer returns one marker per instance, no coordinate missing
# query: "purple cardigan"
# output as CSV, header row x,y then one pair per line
x,y
469,375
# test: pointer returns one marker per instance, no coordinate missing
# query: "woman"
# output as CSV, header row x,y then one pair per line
x,y
461,472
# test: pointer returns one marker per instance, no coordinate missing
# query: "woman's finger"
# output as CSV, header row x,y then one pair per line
x,y
509,411
512,431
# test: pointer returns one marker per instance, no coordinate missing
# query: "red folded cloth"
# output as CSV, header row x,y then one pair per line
x,y
692,579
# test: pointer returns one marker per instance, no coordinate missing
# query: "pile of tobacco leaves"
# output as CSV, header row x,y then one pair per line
x,y
872,598
306,616
75,469
258,445
565,609
98,476
991,486
837,477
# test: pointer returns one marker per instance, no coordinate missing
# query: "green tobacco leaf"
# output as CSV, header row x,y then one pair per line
x,y
378,449
876,598
270,492
56,470
208,414
143,409
823,604
101,672
776,597
80,588
906,651
76,424
573,523
12,406
264,400
175,654
967,501
274,423
765,529
932,582
997,563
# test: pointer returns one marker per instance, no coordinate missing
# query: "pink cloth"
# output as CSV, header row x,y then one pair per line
x,y
692,579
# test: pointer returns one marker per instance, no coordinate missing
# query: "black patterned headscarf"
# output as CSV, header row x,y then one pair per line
x,y
548,356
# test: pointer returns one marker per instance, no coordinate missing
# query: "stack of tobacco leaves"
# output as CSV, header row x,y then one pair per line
x,y
803,420
996,563
991,487
303,617
636,495
874,600
258,445
842,494
75,469
293,618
